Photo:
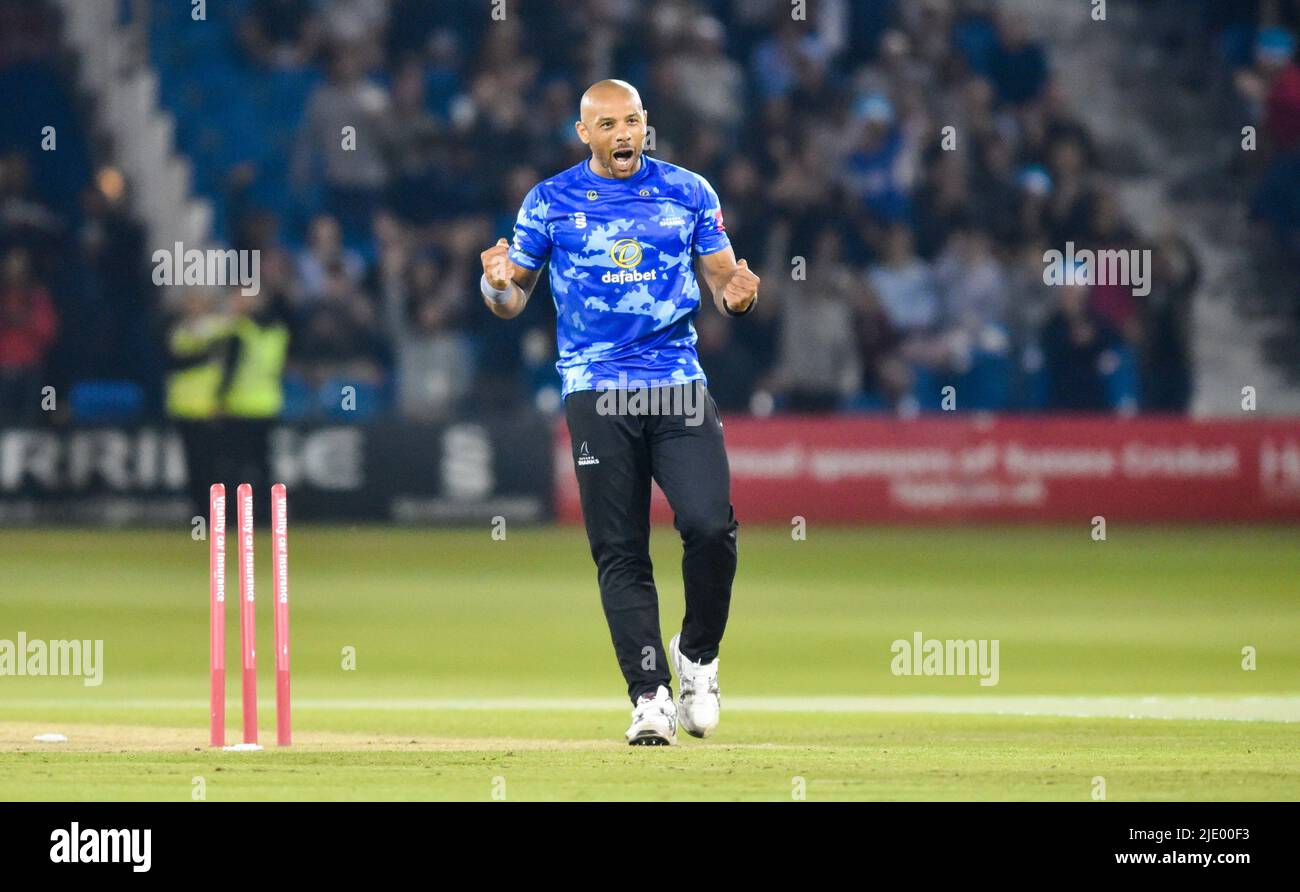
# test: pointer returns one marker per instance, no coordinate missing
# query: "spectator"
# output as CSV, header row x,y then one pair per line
x,y
280,33
1113,301
1277,56
993,179
1032,300
325,251
903,70
819,366
666,108
252,389
414,150
198,344
880,172
716,98
1019,66
417,30
1276,205
550,129
28,325
828,126
1166,323
338,342
746,209
974,287
942,202
885,374
444,66
905,285
800,193
25,220
975,35
1034,197
355,177
361,23
774,65
1079,353
731,369
1273,88
434,367
1068,202
387,280
126,324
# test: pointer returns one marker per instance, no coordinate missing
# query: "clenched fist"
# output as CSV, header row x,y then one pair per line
x,y
742,288
497,265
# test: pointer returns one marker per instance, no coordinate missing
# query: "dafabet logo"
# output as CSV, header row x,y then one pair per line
x,y
626,254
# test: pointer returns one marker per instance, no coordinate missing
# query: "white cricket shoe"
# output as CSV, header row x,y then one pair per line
x,y
654,720
699,704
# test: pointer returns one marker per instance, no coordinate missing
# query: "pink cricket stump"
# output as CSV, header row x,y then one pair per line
x,y
280,581
217,614
247,611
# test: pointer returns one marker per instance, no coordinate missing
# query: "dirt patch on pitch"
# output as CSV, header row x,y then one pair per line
x,y
19,737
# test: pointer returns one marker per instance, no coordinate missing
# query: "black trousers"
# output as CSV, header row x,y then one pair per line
x,y
202,439
245,457
618,448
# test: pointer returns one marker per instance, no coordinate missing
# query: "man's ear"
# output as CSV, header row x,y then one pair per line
x,y
582,132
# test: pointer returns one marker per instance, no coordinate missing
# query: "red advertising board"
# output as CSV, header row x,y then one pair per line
x,y
1030,468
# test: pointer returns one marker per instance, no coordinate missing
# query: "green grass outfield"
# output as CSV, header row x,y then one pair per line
x,y
485,667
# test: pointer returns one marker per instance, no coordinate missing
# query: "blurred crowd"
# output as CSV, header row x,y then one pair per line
x,y
897,256
896,262
1257,43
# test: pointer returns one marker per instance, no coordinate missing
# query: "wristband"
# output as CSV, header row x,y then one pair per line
x,y
745,312
493,294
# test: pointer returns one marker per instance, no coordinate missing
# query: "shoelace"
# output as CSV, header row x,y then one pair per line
x,y
644,706
691,677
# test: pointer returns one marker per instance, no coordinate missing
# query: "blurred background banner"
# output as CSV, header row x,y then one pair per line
x,y
845,471
456,472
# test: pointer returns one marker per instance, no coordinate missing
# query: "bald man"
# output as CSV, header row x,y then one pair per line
x,y
624,234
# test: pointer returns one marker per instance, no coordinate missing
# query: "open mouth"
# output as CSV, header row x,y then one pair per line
x,y
623,158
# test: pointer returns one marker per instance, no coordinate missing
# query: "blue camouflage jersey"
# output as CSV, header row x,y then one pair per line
x,y
622,274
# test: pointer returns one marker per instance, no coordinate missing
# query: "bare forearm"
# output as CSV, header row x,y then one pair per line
x,y
714,280
733,284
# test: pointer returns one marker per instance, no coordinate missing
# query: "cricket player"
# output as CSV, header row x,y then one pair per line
x,y
624,234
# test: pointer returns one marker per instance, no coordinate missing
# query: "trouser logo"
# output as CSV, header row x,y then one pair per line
x,y
585,457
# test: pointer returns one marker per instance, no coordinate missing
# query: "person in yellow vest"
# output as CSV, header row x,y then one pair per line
x,y
197,344
252,387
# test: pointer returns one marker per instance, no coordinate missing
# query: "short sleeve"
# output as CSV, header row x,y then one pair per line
x,y
531,247
710,234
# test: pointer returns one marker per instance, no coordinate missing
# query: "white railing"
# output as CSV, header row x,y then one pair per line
x,y
115,71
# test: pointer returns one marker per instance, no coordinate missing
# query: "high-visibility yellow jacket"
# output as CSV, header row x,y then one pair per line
x,y
256,388
196,354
